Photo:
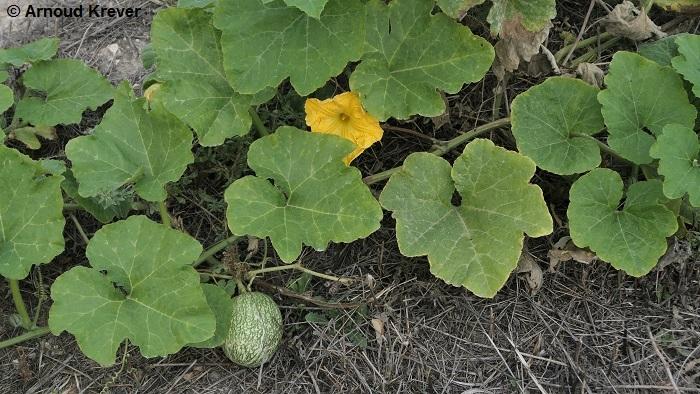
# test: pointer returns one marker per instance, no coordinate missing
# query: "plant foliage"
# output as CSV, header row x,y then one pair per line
x,y
140,286
148,148
413,56
31,214
315,197
477,243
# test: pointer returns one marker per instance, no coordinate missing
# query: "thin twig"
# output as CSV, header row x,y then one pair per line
x,y
580,33
663,361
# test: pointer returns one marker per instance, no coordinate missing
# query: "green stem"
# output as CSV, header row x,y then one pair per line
x,y
41,331
258,123
40,298
216,248
71,207
380,176
274,269
581,44
443,147
19,304
298,267
241,287
603,146
164,215
80,229
593,53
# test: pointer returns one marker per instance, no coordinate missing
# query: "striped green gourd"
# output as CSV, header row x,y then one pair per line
x,y
256,329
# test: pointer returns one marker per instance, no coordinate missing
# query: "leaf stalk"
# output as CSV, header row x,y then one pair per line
x,y
443,147
41,331
19,304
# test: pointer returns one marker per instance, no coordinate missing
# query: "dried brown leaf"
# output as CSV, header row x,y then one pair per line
x,y
565,250
626,20
591,74
531,271
516,45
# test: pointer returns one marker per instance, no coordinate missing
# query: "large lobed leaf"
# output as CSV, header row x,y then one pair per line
x,y
678,151
131,145
60,91
31,214
42,49
552,124
315,198
141,287
196,90
688,62
641,97
477,243
414,55
264,43
631,239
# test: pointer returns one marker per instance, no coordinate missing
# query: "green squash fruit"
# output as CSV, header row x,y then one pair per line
x,y
256,330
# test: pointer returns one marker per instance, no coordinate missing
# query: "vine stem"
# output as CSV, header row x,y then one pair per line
x,y
19,304
258,123
214,249
443,147
164,215
603,146
41,331
80,229
299,267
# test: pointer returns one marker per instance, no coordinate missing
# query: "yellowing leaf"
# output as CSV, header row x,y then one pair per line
x,y
344,116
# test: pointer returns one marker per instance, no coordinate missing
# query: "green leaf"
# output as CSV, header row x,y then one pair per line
x,y
141,287
7,98
29,135
315,198
4,75
455,8
688,62
148,56
131,145
641,98
64,89
678,151
534,14
220,303
477,243
310,7
43,49
53,167
632,239
415,55
661,51
101,210
552,124
265,43
31,214
189,59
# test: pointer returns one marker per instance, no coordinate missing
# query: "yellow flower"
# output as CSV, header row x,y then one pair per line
x,y
344,116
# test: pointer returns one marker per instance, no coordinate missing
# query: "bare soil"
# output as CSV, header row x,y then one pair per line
x,y
589,329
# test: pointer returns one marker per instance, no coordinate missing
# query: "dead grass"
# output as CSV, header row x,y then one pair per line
x,y
590,329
